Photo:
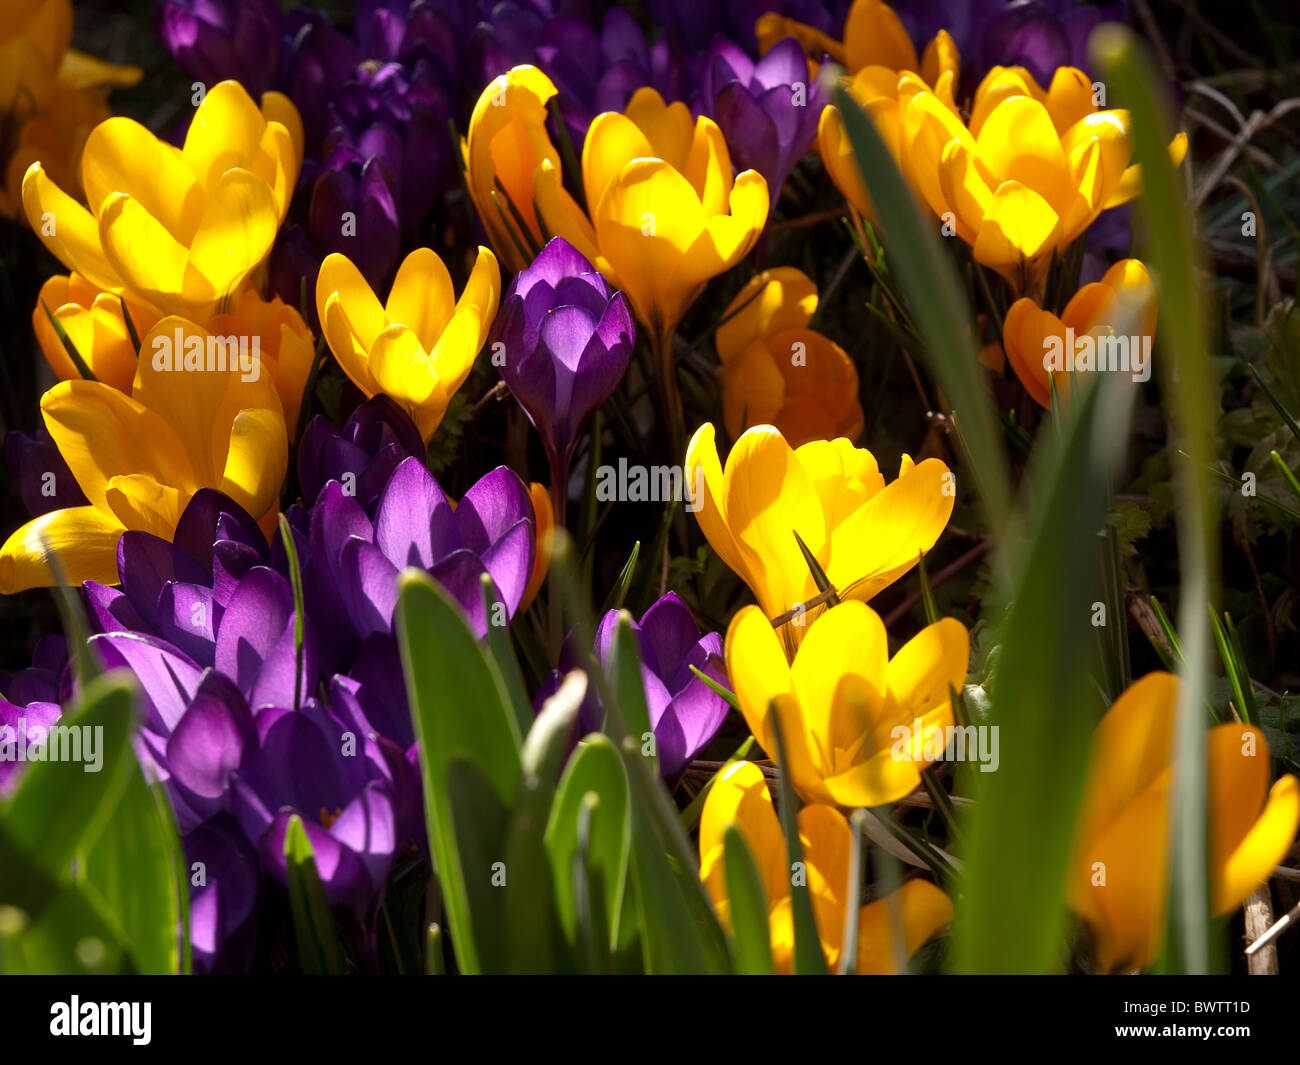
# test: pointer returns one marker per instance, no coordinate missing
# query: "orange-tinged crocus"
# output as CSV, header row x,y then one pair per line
x,y
777,371
51,95
1034,168
1121,863
664,213
540,496
94,323
139,458
506,145
96,327
740,797
874,36
858,725
420,346
864,533
1107,325
180,229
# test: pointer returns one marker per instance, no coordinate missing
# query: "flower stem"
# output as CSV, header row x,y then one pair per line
x,y
666,367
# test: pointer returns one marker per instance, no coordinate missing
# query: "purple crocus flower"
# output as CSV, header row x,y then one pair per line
x,y
685,713
310,763
362,455
22,727
767,111
490,531
219,39
567,342
44,480
31,703
225,894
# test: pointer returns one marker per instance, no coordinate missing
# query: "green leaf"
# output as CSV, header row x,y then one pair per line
x,y
480,827
137,871
853,903
595,769
590,916
503,655
1192,397
68,346
62,807
940,310
629,688
751,938
299,614
460,709
809,958
319,950
614,601
1045,705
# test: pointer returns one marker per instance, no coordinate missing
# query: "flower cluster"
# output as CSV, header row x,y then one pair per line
x,y
305,357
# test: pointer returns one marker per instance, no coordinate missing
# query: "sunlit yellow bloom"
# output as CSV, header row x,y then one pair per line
x,y
864,533
545,516
665,214
506,145
1120,876
740,797
139,458
94,323
858,725
777,371
51,96
873,37
1030,335
420,347
180,229
884,95
286,344
1032,171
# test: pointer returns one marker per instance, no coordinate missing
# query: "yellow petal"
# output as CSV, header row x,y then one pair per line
x,y
781,298
257,460
123,156
923,910
421,296
149,260
740,797
758,670
668,127
224,134
874,36
346,345
142,502
83,538
67,229
705,489
827,841
234,236
360,307
881,540
1018,233
926,670
102,433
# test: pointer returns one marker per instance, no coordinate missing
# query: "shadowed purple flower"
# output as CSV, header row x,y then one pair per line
x,y
567,344
490,531
224,906
767,111
44,481
22,728
218,39
310,763
362,455
685,713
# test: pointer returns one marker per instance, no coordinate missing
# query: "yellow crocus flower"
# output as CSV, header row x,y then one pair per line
x,y
506,146
777,371
94,323
139,458
420,346
858,725
664,214
1121,865
1029,333
740,797
864,533
50,95
180,229
1030,173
